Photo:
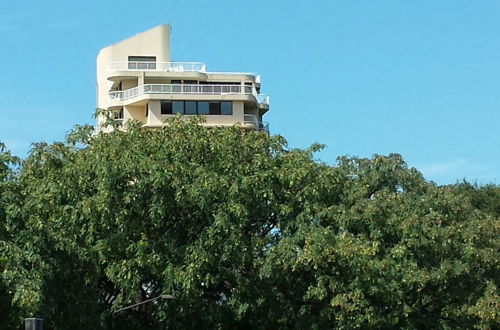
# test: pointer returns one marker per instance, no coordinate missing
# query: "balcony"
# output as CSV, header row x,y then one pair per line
x,y
188,90
263,99
250,121
157,66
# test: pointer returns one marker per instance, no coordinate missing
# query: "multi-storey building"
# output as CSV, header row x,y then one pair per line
x,y
137,81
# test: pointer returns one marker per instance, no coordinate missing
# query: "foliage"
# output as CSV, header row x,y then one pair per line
x,y
8,171
243,232
486,198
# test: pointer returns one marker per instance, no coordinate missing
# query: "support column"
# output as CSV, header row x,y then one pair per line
x,y
140,80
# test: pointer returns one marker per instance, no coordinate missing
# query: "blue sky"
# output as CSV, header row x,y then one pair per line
x,y
419,78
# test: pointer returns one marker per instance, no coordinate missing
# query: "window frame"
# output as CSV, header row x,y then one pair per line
x,y
230,108
170,107
195,107
182,111
213,107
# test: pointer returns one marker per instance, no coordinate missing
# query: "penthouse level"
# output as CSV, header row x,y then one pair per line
x,y
137,81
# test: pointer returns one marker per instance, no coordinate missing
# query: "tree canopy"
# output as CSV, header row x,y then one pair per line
x,y
243,231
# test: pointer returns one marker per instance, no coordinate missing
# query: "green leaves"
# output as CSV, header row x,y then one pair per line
x,y
243,232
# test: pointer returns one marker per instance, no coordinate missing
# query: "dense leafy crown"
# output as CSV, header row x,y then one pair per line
x,y
243,231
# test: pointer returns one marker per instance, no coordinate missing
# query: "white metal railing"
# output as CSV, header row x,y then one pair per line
x,y
250,119
257,77
187,89
263,99
157,66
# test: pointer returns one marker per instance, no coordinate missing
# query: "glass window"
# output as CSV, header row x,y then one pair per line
x,y
142,58
177,86
190,108
214,107
193,107
134,62
178,107
118,114
203,108
226,108
166,107
190,86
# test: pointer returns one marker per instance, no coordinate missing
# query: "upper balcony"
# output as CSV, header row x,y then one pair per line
x,y
189,89
195,70
157,66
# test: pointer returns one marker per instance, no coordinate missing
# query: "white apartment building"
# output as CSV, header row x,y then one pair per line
x,y
137,81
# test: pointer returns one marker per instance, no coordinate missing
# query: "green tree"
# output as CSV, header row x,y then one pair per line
x,y
387,250
8,167
244,232
485,198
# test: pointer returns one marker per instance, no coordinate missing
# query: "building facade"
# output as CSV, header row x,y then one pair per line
x,y
137,81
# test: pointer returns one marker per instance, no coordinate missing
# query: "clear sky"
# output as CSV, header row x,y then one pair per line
x,y
419,78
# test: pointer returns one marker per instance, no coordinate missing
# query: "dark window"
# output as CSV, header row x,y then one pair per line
x,y
214,107
219,83
177,87
189,86
142,58
203,108
134,62
190,108
166,107
248,88
196,107
226,108
118,114
147,110
178,107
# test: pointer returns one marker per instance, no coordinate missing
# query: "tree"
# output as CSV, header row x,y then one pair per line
x,y
8,164
485,198
243,232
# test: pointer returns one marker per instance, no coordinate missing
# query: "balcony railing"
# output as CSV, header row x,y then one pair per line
x,y
260,125
157,66
187,89
264,126
263,99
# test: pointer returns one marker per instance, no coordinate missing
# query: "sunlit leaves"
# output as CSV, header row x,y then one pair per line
x,y
243,231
